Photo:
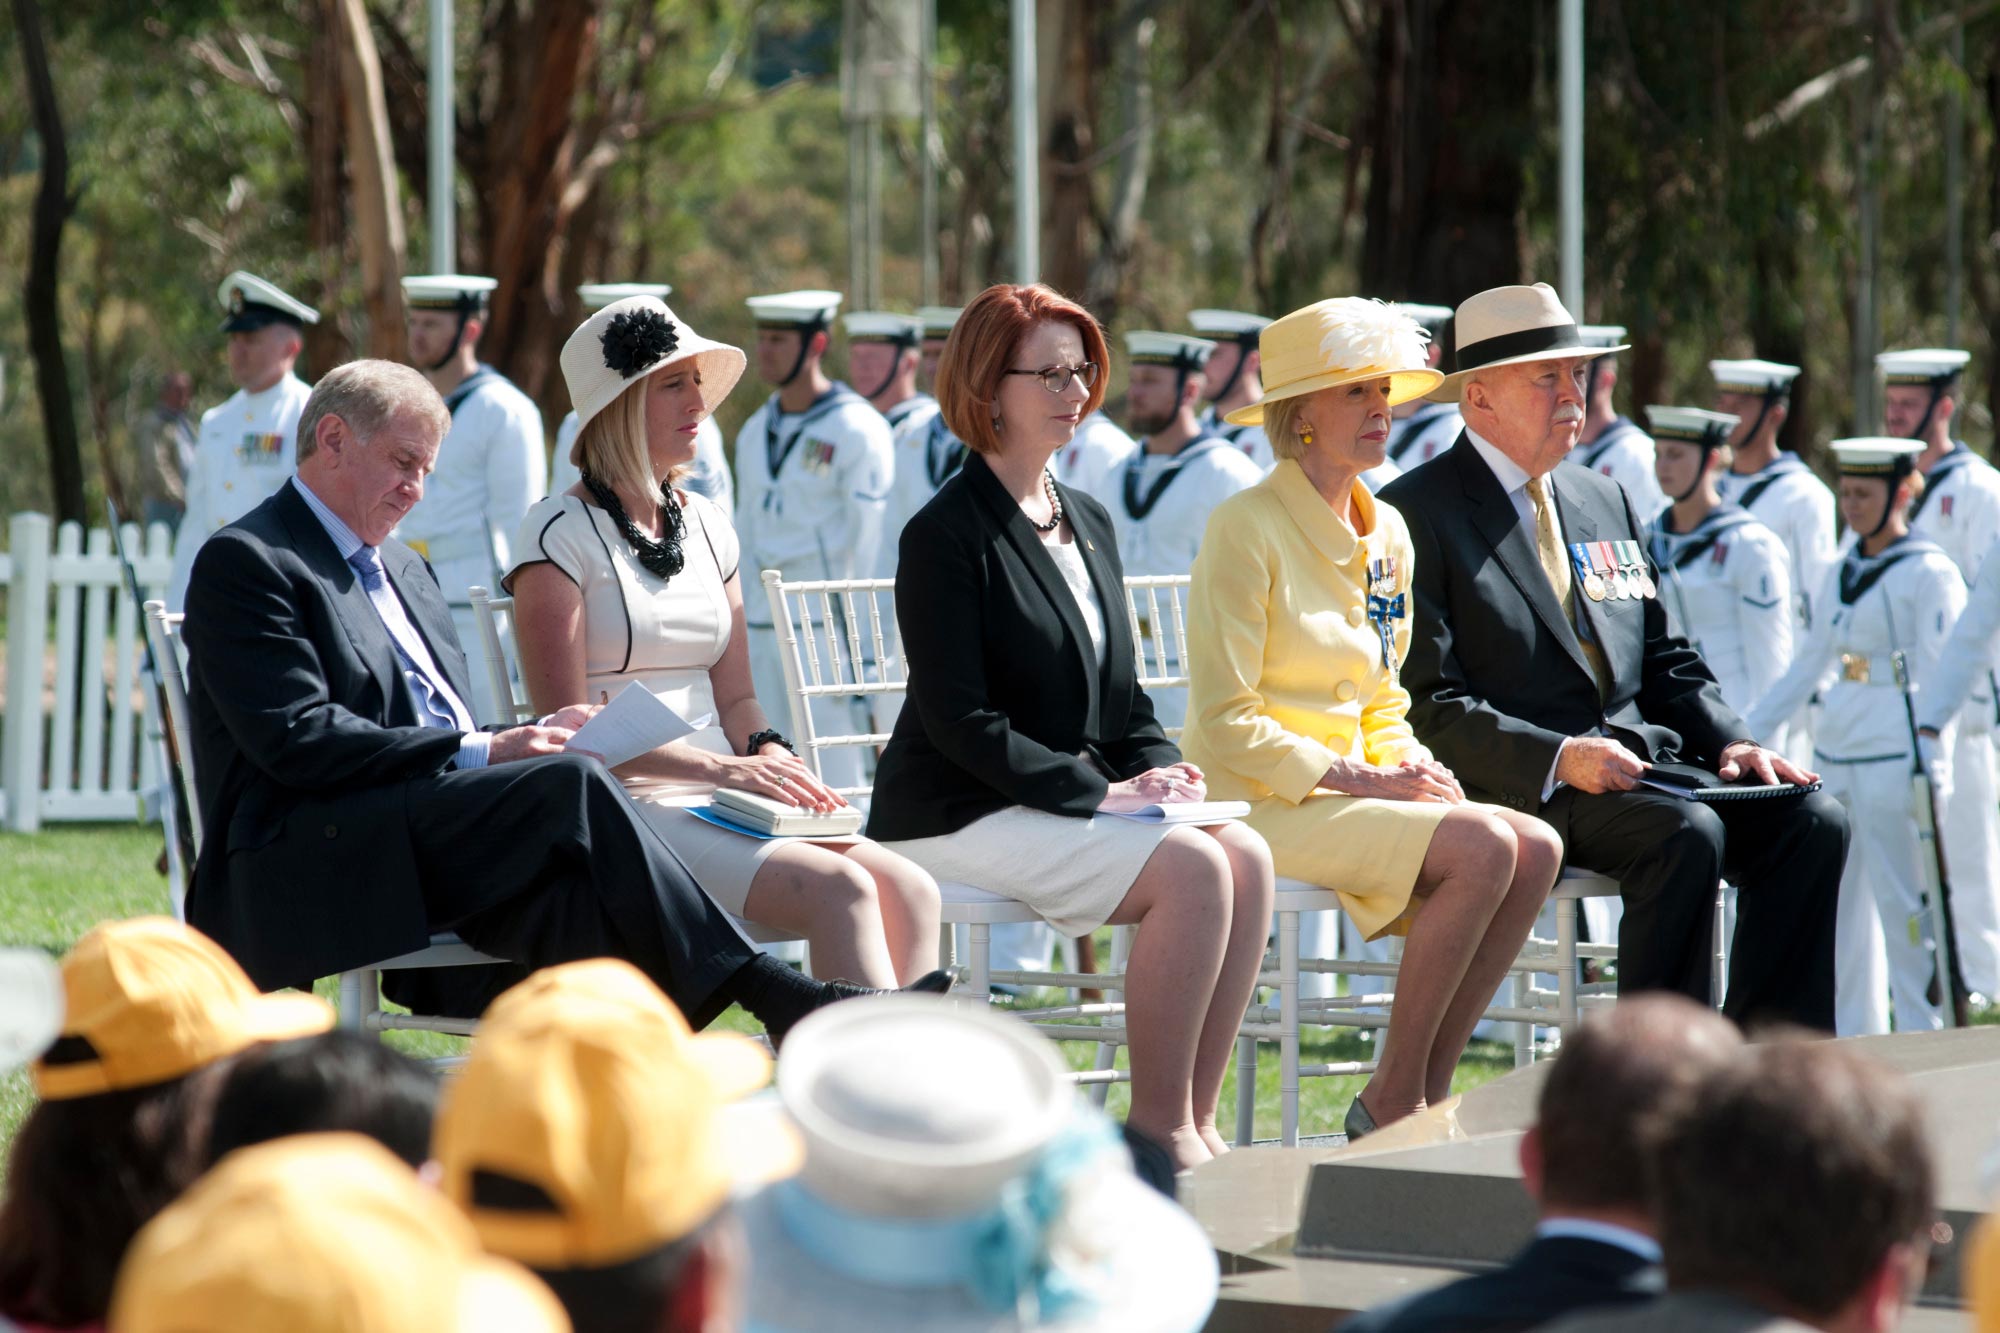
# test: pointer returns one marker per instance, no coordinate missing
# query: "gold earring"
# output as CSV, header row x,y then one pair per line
x,y
1306,436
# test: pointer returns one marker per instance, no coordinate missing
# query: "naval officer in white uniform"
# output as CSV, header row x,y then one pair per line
x,y
939,321
1611,444
927,456
245,448
1420,429
814,469
708,476
1893,592
490,467
884,355
1960,511
1234,378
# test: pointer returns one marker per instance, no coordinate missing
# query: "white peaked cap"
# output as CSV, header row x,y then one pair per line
x,y
242,289
1875,456
1151,347
1602,335
1752,376
1691,425
1234,323
1921,365
794,308
1432,317
883,326
447,291
938,319
597,295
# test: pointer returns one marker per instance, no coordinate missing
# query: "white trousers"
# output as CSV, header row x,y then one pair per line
x,y
1882,930
1972,849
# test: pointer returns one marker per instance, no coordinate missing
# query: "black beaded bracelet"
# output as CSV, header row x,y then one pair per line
x,y
759,740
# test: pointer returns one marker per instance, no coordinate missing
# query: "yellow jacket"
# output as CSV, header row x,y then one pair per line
x,y
1285,666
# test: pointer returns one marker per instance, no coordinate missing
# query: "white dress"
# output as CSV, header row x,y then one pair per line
x,y
1074,872
665,634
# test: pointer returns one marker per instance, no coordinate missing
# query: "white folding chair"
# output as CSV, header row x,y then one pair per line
x,y
493,615
360,989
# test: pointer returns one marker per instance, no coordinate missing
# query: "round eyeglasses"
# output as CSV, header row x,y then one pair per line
x,y
1056,378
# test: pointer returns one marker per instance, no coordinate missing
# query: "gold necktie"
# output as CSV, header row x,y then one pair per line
x,y
1555,563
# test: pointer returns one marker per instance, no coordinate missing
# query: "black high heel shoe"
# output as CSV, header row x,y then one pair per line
x,y
1359,1123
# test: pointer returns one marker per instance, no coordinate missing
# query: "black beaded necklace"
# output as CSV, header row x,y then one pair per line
x,y
661,558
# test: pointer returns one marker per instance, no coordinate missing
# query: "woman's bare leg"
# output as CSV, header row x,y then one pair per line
x,y
1537,862
1181,903
1469,865
909,901
1252,881
832,901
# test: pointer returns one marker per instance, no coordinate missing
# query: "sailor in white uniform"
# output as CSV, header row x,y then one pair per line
x,y
939,321
884,354
814,468
1233,378
1166,490
1962,668
491,466
246,447
927,456
1892,593
1611,444
709,475
1960,511
1782,493
1094,458
1422,429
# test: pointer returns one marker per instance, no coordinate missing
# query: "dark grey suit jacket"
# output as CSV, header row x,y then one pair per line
x,y
1682,1312
304,735
1496,675
1554,1276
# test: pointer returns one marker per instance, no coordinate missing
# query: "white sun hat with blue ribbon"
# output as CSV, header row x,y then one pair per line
x,y
955,1182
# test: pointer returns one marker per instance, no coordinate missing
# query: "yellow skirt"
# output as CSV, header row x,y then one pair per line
x,y
1368,851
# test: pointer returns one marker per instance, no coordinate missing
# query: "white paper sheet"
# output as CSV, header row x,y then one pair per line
x,y
630,725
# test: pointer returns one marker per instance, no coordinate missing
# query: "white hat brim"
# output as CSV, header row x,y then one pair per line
x,y
1453,385
1158,1275
721,366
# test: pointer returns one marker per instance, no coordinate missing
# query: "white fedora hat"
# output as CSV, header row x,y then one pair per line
x,y
1505,326
1339,341
954,1182
630,339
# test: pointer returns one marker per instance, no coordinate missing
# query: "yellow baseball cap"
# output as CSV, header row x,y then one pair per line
x,y
321,1233
590,1125
150,999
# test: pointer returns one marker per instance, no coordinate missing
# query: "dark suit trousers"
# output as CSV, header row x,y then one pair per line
x,y
1785,858
545,861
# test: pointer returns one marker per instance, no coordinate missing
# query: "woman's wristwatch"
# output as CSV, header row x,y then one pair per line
x,y
758,740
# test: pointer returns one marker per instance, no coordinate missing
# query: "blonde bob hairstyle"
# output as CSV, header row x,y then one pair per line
x,y
612,445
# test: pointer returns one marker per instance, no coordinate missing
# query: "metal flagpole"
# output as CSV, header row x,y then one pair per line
x,y
1027,148
927,160
1954,190
1572,157
443,145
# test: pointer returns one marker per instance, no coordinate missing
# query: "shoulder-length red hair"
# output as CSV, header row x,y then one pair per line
x,y
981,350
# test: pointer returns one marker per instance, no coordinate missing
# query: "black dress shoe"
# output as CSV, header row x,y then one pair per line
x,y
935,982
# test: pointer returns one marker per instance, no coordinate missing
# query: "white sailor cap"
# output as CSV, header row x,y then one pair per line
x,y
461,292
1753,376
1922,365
1691,425
938,319
597,295
1148,347
251,303
1876,456
883,326
1432,317
804,310
1240,325
1608,336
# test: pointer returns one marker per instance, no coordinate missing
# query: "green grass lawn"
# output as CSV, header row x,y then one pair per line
x,y
56,884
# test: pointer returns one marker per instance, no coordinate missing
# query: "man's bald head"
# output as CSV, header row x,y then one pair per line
x,y
1616,1076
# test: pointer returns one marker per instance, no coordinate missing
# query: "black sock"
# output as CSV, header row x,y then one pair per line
x,y
775,993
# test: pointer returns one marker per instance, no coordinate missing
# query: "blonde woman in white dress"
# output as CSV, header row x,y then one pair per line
x,y
625,577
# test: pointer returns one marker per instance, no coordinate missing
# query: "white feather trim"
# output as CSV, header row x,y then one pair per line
x,y
1357,333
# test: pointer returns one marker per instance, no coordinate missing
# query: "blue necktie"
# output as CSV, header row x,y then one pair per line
x,y
433,709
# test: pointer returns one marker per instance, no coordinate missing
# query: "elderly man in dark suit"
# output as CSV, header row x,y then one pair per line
x,y
351,805
1585,1163
1542,671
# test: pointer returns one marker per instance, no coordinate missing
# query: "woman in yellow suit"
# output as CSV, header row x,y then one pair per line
x,y
1297,624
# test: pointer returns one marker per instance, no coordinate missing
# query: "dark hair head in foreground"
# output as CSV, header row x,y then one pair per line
x,y
334,1081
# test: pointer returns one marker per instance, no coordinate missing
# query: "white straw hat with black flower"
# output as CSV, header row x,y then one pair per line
x,y
636,337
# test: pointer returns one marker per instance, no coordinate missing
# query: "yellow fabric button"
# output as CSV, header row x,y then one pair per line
x,y
1355,615
1344,691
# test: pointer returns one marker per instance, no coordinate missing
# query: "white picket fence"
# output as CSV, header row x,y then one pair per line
x,y
84,751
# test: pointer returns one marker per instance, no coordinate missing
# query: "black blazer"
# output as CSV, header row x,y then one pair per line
x,y
1007,705
304,737
1496,676
1554,1276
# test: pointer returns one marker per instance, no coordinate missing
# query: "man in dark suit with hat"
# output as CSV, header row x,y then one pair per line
x,y
1543,672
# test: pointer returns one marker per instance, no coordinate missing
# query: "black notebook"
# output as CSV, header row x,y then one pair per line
x,y
1698,784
